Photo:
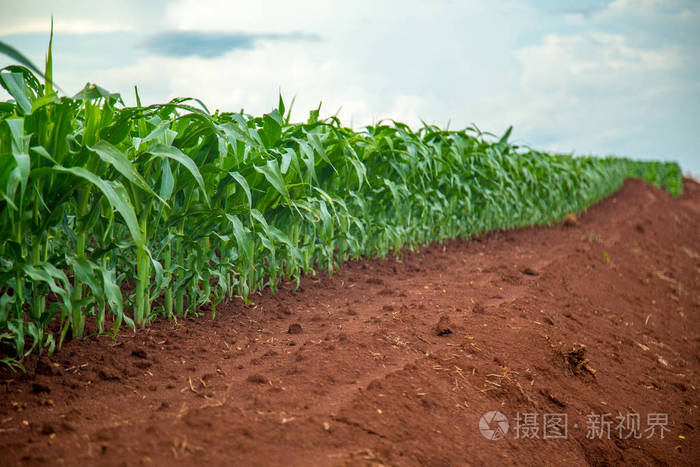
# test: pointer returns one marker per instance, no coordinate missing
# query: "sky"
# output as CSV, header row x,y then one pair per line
x,y
615,77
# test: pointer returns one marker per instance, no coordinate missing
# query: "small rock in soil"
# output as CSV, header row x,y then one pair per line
x,y
530,272
478,308
295,328
256,378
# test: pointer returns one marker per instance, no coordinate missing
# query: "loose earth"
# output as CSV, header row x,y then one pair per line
x,y
395,361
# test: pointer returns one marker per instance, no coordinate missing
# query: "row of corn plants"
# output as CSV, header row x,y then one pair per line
x,y
113,215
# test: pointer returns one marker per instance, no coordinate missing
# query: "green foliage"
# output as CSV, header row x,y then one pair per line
x,y
112,214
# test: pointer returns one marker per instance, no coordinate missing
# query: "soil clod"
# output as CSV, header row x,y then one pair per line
x,y
570,220
257,378
576,362
108,375
442,328
38,388
44,367
139,353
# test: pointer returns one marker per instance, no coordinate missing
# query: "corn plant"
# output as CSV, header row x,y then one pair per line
x,y
112,214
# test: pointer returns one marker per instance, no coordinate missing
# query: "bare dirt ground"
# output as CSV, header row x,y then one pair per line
x,y
394,362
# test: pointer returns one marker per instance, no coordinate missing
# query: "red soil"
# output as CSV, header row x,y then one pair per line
x,y
395,362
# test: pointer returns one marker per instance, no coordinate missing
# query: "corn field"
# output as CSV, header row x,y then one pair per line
x,y
113,215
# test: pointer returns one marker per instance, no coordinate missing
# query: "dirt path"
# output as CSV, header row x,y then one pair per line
x,y
351,370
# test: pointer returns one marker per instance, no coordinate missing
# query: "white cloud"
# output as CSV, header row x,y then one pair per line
x,y
66,26
620,80
79,16
250,79
593,59
408,109
254,17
